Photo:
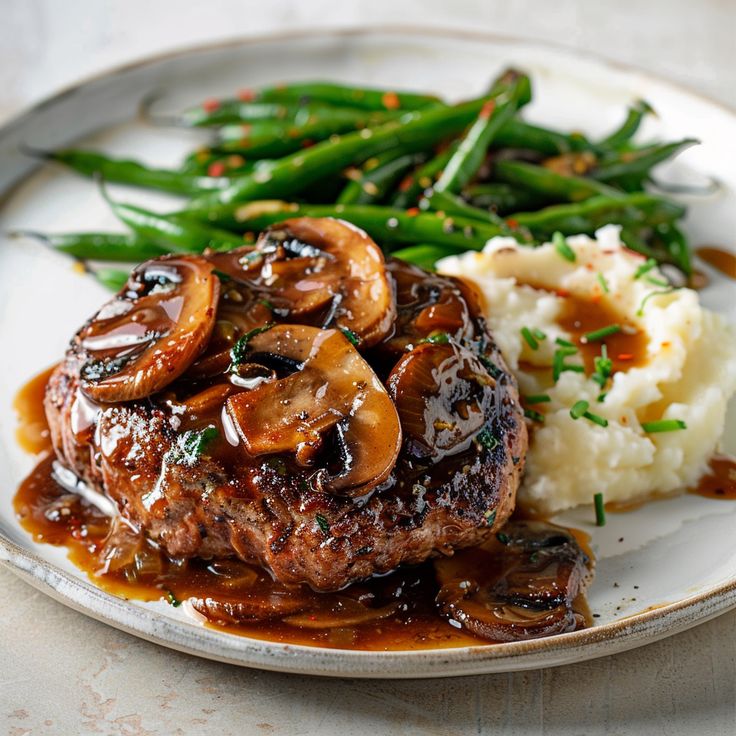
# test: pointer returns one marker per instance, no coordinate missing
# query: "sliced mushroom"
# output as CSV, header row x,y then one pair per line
x,y
340,611
247,607
318,265
444,397
523,587
152,332
333,396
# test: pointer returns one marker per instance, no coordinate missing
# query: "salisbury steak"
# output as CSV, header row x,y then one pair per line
x,y
300,403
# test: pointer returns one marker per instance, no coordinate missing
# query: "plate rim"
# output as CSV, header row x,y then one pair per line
x,y
627,633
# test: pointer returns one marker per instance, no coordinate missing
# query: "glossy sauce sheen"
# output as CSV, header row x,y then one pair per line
x,y
720,482
398,610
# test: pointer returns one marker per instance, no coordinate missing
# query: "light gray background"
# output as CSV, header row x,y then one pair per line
x,y
61,673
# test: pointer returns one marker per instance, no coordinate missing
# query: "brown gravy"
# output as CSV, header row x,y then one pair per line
x,y
720,259
720,482
398,611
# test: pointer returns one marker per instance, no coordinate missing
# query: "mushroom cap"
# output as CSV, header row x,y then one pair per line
x,y
154,329
332,395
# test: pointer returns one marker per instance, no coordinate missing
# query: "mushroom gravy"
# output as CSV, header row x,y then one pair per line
x,y
398,611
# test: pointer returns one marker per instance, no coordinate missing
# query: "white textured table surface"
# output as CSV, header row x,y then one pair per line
x,y
62,673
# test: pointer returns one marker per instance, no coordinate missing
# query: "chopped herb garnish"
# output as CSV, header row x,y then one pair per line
x,y
436,338
657,282
322,523
645,268
601,398
537,399
578,409
640,311
239,351
531,341
603,368
490,516
486,439
600,510
267,304
352,337
602,281
172,599
538,333
602,333
535,416
558,362
491,367
191,445
503,538
561,246
663,425
565,343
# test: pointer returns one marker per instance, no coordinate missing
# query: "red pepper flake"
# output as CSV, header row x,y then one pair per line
x,y
412,211
246,128
625,356
487,110
246,95
391,101
217,168
211,105
307,143
406,183
513,224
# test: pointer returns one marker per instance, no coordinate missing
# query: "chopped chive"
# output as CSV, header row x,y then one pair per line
x,y
535,416
656,281
645,268
322,523
600,334
595,418
601,398
561,246
222,275
558,362
436,338
239,351
485,439
602,281
640,311
503,538
538,333
266,303
352,338
600,511
172,599
565,343
663,425
537,399
490,516
526,333
578,409
603,368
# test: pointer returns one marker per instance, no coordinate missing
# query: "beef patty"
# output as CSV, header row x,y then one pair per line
x,y
301,403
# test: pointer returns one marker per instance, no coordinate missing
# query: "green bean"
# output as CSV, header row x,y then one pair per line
x,y
347,95
422,178
451,204
549,183
519,134
174,233
124,171
415,131
471,152
622,135
502,198
635,210
224,112
375,181
635,165
425,255
273,141
387,225
98,246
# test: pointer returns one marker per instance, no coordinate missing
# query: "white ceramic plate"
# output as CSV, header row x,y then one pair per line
x,y
660,569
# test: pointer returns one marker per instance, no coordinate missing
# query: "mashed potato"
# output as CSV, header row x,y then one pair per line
x,y
684,367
